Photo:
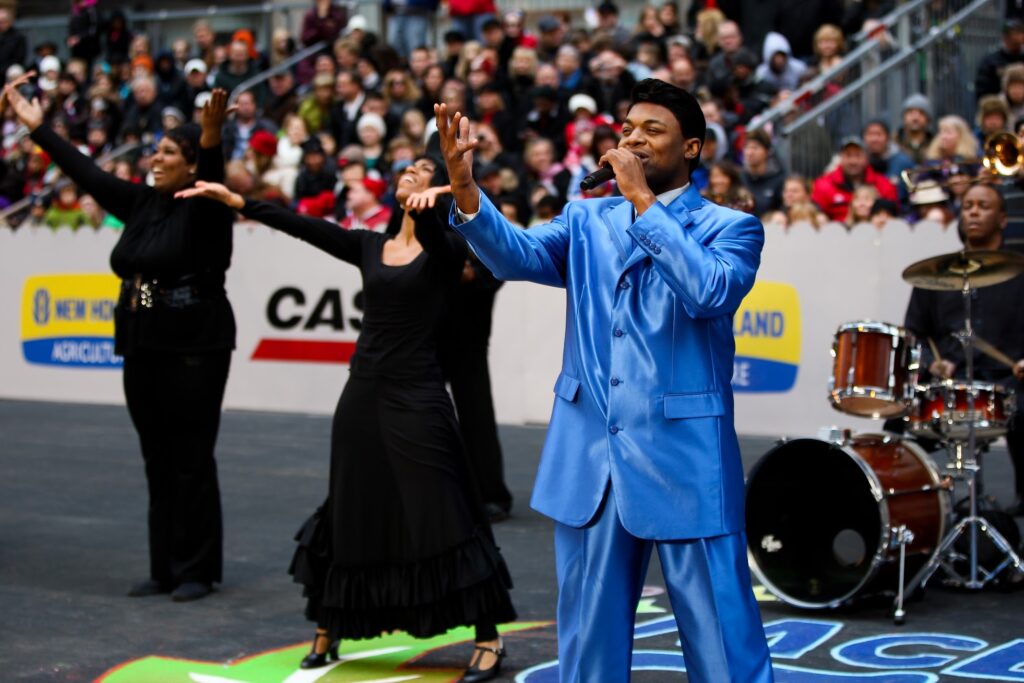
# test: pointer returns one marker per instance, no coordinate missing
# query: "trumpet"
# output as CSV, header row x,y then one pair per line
x,y
1003,154
1002,157
942,175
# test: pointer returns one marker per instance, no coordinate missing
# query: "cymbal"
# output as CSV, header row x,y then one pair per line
x,y
982,267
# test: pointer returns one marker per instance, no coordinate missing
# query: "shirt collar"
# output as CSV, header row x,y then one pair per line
x,y
669,196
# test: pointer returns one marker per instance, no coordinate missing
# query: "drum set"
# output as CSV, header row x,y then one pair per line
x,y
845,517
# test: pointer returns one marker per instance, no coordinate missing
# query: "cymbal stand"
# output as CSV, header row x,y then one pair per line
x,y
965,466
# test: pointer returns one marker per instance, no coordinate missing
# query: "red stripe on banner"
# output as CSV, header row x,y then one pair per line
x,y
304,350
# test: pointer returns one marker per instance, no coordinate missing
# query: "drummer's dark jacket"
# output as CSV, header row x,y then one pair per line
x,y
181,247
997,314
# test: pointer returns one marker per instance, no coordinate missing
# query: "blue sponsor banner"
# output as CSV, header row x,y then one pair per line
x,y
83,352
760,375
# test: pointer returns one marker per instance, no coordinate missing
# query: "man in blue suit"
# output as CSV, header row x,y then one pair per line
x,y
641,451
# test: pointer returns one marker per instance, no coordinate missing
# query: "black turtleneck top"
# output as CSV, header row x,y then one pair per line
x,y
176,242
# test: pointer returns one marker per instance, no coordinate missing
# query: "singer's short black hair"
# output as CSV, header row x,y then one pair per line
x,y
682,104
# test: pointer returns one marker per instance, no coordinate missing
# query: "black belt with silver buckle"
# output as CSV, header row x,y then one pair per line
x,y
139,292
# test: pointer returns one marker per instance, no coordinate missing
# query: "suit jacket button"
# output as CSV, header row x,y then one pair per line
x,y
618,333
613,429
624,284
615,381
656,250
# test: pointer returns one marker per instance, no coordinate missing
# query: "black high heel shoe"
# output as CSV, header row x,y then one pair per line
x,y
475,674
314,659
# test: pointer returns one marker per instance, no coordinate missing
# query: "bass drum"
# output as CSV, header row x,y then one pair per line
x,y
821,516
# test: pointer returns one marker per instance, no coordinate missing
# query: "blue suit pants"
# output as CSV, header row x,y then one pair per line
x,y
601,568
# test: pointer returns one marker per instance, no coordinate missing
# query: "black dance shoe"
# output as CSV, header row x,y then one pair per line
x,y
149,587
474,674
314,660
191,590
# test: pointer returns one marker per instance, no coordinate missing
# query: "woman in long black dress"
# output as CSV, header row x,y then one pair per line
x,y
175,329
401,542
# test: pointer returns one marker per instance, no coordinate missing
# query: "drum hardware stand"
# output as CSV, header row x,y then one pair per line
x,y
965,466
901,536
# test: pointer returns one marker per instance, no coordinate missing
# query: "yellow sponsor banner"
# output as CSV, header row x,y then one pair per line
x,y
69,306
767,329
68,320
767,325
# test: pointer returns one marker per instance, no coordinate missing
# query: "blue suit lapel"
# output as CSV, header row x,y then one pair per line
x,y
680,209
685,204
617,219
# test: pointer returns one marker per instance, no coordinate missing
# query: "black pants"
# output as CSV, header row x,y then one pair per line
x,y
175,402
464,361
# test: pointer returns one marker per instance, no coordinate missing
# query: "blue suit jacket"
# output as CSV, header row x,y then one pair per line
x,y
644,397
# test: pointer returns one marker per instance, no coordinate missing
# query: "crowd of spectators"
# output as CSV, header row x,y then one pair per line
x,y
546,99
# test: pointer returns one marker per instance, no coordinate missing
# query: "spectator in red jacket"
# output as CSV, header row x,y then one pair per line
x,y
363,208
833,191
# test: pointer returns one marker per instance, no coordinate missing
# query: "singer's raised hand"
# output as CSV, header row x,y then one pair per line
x,y
457,150
630,178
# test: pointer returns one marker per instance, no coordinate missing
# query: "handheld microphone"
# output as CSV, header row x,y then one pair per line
x,y
601,175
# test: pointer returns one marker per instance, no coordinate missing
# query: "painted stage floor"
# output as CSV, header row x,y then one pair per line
x,y
72,540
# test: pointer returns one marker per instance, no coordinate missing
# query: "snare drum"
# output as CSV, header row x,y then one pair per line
x,y
939,411
875,369
821,517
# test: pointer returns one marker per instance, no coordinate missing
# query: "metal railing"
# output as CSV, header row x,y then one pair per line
x,y
929,49
285,65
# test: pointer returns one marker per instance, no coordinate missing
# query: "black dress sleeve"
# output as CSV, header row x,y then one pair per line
x,y
443,245
210,167
116,196
346,245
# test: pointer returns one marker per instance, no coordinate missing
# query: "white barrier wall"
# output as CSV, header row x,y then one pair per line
x,y
293,302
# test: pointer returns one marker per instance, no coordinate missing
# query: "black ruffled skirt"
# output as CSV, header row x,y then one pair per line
x,y
401,542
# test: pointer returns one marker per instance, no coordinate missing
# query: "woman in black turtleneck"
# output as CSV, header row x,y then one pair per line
x,y
175,329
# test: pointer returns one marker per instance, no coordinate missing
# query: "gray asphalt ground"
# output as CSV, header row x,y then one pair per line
x,y
73,538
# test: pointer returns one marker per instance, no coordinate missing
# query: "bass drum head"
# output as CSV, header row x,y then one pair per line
x,y
813,522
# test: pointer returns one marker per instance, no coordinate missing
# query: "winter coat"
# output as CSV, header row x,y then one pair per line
x,y
767,187
789,78
833,192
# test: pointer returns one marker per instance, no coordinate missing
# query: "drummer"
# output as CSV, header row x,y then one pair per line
x,y
997,315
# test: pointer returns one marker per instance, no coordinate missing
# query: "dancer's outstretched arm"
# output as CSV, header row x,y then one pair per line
x,y
116,196
324,235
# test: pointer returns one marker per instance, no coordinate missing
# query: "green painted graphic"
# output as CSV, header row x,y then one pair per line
x,y
388,659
